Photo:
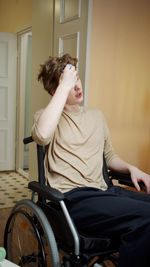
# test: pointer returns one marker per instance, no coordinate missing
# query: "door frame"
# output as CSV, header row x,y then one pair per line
x,y
20,104
87,59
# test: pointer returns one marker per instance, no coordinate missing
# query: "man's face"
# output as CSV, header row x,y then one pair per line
x,y
76,95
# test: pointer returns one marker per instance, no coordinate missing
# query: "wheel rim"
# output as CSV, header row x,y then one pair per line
x,y
23,233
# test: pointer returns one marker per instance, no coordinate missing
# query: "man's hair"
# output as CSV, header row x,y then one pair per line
x,y
52,69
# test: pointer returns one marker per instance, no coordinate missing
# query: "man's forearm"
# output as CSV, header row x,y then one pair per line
x,y
117,164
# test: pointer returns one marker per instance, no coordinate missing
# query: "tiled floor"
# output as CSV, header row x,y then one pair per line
x,y
13,187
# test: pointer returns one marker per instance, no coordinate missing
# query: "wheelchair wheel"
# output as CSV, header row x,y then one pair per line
x,y
29,239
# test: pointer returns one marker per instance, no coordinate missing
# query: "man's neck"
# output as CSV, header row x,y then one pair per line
x,y
74,108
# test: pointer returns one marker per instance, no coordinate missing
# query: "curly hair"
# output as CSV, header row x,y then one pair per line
x,y
52,69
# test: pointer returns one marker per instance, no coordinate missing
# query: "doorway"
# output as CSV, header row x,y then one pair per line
x,y
23,100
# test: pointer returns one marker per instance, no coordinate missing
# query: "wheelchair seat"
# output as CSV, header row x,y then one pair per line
x,y
88,244
42,233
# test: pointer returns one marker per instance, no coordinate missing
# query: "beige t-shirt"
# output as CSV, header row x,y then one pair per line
x,y
74,154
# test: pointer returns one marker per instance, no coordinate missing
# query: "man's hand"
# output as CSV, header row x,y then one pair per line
x,y
117,164
139,176
68,78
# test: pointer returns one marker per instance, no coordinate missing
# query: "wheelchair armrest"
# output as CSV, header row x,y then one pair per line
x,y
28,140
124,179
46,191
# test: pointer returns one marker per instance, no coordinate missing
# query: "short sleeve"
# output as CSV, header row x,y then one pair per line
x,y
35,132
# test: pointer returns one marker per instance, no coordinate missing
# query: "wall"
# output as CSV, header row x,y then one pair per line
x,y
21,14
42,32
119,81
15,15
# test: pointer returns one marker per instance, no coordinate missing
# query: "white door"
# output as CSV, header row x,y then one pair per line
x,y
8,59
71,32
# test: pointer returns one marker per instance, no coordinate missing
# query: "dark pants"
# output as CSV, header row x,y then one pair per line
x,y
117,213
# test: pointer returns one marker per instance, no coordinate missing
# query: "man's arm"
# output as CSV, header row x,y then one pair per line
x,y
50,116
116,164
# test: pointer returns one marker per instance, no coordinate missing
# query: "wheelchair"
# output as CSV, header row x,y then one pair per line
x,y
40,232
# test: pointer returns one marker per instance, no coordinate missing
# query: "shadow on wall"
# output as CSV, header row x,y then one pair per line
x,y
144,157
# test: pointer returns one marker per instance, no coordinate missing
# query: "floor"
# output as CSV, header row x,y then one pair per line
x,y
4,214
13,187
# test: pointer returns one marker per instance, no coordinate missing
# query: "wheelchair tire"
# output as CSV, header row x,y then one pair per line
x,y
29,240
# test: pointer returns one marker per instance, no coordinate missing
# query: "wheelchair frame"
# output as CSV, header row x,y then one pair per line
x,y
37,217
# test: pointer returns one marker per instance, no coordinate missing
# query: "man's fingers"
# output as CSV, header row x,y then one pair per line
x,y
136,185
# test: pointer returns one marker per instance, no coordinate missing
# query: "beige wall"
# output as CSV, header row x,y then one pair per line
x,y
42,31
15,15
119,82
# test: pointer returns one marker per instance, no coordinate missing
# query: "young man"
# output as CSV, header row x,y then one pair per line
x,y
76,138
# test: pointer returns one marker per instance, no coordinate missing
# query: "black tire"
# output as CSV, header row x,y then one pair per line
x,y
29,239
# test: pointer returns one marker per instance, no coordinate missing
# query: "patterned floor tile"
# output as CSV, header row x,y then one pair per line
x,y
13,187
